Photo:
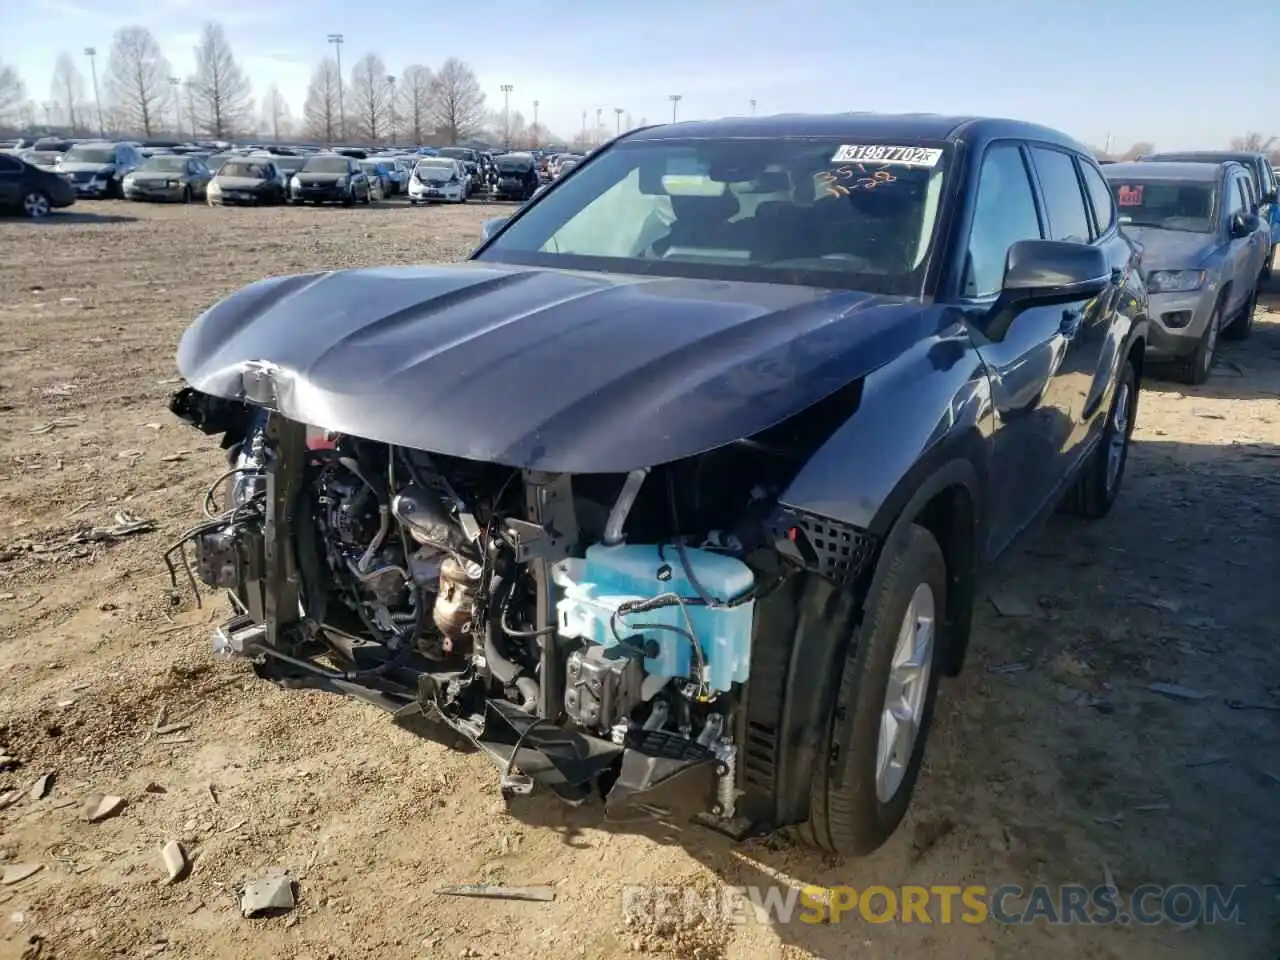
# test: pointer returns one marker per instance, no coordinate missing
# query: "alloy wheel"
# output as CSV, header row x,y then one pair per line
x,y
906,692
35,205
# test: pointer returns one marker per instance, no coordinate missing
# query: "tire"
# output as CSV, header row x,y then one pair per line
x,y
1196,368
1094,492
186,194
35,204
349,201
412,202
1242,324
852,811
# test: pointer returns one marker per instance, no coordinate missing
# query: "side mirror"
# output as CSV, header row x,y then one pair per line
x,y
1243,224
493,225
1044,273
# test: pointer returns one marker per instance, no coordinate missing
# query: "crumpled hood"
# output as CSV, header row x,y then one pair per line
x,y
1172,249
547,369
154,176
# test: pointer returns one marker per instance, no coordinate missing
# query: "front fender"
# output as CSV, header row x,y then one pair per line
x,y
928,405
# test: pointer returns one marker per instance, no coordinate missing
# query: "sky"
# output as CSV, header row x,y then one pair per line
x,y
1177,73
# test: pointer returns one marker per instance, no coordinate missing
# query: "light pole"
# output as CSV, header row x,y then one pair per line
x,y
92,53
584,131
596,133
506,115
675,105
536,131
177,103
336,40
753,106
617,117
391,85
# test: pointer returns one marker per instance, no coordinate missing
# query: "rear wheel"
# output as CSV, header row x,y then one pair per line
x,y
36,205
1096,489
874,747
186,194
1242,325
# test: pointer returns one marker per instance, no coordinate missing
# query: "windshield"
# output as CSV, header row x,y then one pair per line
x,y
325,165
1166,204
436,170
802,211
244,168
86,154
514,164
166,164
458,153
290,164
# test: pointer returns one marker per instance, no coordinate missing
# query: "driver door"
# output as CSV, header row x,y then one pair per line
x,y
1033,389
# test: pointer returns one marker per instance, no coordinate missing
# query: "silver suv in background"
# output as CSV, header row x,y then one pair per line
x,y
97,168
1204,251
1264,183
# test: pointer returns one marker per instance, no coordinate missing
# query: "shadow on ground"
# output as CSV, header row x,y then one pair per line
x,y
66,218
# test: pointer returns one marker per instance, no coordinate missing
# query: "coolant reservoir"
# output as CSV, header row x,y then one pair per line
x,y
592,589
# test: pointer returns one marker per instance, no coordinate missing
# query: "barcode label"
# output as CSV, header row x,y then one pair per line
x,y
900,156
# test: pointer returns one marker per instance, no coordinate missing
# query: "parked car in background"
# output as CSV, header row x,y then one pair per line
x,y
1264,181
396,179
247,180
44,159
31,191
331,178
470,160
517,176
567,164
379,173
1203,255
168,177
288,166
889,345
438,180
97,168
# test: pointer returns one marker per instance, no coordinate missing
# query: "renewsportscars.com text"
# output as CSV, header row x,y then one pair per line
x,y
1067,904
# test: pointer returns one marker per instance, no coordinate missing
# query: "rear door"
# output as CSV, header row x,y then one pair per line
x,y
1242,251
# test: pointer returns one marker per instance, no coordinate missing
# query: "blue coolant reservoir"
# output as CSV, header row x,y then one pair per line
x,y
592,589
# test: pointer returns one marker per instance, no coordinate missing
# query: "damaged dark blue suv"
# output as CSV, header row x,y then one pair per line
x,y
676,493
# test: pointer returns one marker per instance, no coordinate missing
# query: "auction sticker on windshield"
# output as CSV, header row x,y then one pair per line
x,y
1130,195
900,156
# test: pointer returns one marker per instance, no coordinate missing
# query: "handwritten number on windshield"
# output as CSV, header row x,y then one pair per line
x,y
842,181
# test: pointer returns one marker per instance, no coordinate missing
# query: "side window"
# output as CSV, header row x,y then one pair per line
x,y
1062,197
1004,213
1104,211
1236,199
1250,193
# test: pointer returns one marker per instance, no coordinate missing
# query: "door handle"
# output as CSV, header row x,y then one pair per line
x,y
1071,320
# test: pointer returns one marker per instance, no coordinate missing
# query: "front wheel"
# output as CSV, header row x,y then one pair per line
x,y
872,752
1196,368
1095,490
36,205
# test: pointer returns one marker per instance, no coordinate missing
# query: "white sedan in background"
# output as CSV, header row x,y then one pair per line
x,y
438,180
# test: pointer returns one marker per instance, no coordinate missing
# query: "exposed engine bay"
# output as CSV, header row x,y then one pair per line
x,y
591,633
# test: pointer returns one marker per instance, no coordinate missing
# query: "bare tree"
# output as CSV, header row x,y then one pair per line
x,y
224,101
1253,143
457,102
138,79
369,97
276,118
13,93
1139,149
320,113
68,89
414,89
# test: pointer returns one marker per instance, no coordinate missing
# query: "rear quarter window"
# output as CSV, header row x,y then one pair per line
x,y
1104,207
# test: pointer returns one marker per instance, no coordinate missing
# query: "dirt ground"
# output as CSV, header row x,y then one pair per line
x,y
1050,760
